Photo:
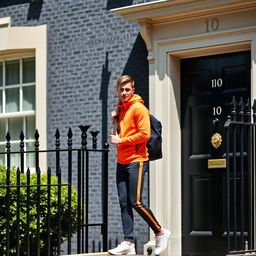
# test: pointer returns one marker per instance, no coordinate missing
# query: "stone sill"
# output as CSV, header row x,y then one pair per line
x,y
243,254
96,254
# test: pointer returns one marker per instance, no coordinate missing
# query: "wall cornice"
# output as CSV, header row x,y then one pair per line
x,y
162,12
209,36
169,11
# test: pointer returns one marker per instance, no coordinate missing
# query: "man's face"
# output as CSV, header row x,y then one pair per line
x,y
125,92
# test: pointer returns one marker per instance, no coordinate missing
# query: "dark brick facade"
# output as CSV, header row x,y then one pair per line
x,y
89,47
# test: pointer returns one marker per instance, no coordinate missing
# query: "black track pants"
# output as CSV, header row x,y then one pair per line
x,y
129,179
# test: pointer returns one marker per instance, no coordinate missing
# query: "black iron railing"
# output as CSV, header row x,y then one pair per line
x,y
240,181
44,208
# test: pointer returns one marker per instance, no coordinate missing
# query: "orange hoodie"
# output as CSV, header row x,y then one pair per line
x,y
134,129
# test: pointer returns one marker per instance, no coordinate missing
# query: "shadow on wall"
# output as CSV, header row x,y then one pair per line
x,y
105,77
5,3
111,4
137,67
34,10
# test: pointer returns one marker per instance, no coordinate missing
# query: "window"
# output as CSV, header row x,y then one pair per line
x,y
23,88
17,105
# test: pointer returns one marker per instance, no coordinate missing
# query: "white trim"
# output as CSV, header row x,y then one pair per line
x,y
143,5
5,22
17,85
165,181
16,54
3,91
17,141
17,41
17,114
162,12
209,36
21,78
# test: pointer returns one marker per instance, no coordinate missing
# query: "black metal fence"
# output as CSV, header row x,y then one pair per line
x,y
240,181
41,210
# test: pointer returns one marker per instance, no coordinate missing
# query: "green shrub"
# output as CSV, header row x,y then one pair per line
x,y
33,213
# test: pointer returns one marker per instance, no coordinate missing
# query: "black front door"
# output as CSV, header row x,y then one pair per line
x,y
207,86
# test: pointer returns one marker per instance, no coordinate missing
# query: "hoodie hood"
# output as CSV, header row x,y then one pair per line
x,y
135,98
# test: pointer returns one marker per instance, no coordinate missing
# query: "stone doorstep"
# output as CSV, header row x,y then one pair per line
x,y
244,254
96,254
90,254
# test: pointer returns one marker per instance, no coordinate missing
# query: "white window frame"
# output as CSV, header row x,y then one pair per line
x,y
19,41
6,115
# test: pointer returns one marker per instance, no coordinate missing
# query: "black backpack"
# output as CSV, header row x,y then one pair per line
x,y
154,144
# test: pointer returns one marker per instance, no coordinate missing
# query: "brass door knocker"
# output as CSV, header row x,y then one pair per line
x,y
216,140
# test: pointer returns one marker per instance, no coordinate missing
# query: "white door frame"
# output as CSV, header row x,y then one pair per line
x,y
164,91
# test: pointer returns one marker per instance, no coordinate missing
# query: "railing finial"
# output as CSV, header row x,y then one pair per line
x,y
247,110
57,139
84,129
241,109
70,135
94,139
233,108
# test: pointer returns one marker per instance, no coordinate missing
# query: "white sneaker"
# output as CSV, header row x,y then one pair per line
x,y
123,249
162,242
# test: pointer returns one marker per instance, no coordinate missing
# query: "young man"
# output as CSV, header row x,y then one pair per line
x,y
133,132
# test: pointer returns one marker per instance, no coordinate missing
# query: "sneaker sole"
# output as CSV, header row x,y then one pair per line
x,y
169,235
121,253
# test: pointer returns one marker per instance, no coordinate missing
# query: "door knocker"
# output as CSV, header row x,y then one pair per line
x,y
216,140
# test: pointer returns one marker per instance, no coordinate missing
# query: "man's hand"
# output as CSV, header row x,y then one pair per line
x,y
115,139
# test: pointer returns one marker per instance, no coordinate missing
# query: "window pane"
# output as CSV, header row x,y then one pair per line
x,y
30,161
15,158
12,100
28,70
12,72
30,127
15,126
2,156
1,101
1,73
2,130
29,98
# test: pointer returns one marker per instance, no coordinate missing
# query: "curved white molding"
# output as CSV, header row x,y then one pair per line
x,y
146,33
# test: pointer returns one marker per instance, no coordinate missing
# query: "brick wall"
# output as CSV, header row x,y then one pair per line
x,y
89,47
